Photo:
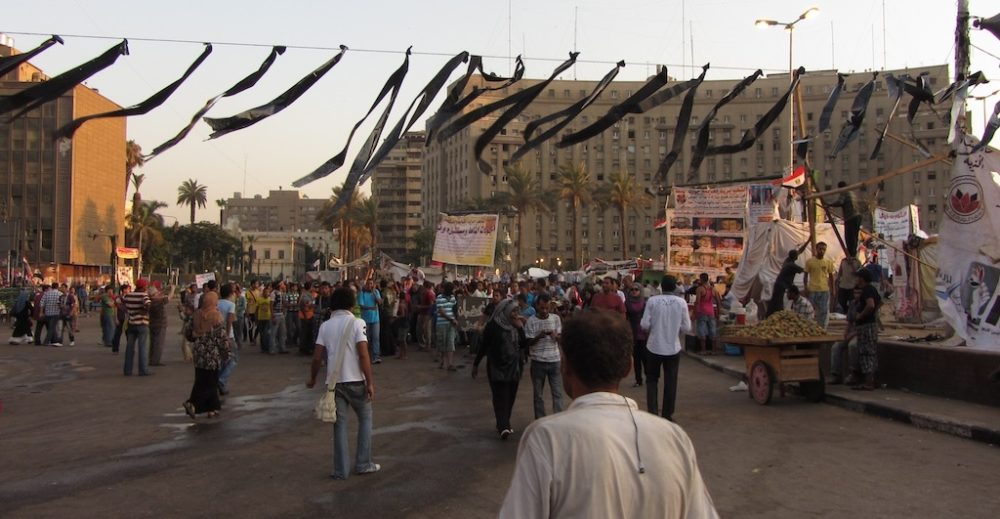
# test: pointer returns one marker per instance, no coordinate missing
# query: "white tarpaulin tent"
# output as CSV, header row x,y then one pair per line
x,y
767,247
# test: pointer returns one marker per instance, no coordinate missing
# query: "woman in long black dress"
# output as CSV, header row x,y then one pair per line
x,y
503,349
210,350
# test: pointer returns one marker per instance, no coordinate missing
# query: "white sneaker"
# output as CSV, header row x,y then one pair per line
x,y
56,344
371,470
14,340
72,343
742,386
27,339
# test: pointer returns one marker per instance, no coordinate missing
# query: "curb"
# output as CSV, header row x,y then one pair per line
x,y
920,420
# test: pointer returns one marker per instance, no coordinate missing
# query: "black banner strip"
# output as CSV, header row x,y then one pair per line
x,y
242,85
391,84
153,101
895,87
976,78
470,117
858,110
831,103
680,131
425,97
617,112
750,136
222,126
991,129
520,101
566,115
454,103
701,145
35,96
8,63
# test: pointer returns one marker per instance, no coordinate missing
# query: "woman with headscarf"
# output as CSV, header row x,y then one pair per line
x,y
504,351
22,317
635,305
211,350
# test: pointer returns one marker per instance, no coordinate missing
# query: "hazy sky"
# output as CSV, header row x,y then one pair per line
x,y
847,34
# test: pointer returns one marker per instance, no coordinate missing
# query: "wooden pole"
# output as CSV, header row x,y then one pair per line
x,y
911,145
875,180
897,249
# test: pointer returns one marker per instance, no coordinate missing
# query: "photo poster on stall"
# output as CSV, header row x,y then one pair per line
x,y
124,275
466,239
762,206
895,227
706,230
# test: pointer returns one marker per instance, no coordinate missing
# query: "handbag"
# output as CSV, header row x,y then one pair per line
x,y
326,408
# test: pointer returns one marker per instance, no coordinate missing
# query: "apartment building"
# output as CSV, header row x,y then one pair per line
x,y
638,143
396,186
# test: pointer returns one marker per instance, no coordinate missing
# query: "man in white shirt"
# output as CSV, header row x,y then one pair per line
x,y
542,331
355,386
603,457
667,319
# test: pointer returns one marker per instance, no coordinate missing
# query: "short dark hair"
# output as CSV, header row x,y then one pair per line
x,y
226,291
342,299
793,290
211,284
597,345
865,274
542,298
668,284
841,184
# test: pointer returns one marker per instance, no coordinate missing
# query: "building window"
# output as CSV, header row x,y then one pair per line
x,y
281,254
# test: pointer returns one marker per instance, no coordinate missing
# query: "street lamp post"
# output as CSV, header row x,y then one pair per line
x,y
790,27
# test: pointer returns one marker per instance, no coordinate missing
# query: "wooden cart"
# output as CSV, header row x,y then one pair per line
x,y
778,362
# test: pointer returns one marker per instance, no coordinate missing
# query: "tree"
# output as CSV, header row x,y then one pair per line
x,y
365,214
622,193
133,159
525,195
190,243
145,229
193,194
575,187
423,246
222,208
341,218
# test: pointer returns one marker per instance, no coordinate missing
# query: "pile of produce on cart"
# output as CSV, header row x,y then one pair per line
x,y
781,324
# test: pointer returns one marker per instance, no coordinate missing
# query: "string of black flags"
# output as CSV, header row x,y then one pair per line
x,y
449,119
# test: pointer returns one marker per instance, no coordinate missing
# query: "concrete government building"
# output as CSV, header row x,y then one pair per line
x,y
60,201
396,186
638,143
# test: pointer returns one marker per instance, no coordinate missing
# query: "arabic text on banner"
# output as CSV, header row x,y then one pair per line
x,y
706,229
969,248
466,239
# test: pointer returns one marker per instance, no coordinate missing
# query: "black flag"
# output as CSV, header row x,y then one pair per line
x,y
454,103
831,102
680,132
750,136
8,63
858,110
242,85
35,96
252,116
701,145
155,100
991,129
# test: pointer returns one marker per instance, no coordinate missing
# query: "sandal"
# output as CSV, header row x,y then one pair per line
x,y
189,409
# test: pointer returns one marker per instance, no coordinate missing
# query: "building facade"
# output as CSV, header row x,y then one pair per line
x,y
396,187
276,255
61,201
282,210
638,143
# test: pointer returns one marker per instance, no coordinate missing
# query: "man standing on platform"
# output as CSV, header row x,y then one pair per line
x,y
819,281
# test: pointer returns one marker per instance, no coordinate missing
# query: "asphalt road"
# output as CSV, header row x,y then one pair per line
x,y
77,439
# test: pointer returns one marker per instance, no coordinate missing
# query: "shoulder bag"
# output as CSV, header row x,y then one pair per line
x,y
326,408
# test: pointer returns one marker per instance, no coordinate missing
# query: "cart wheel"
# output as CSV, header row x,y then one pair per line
x,y
814,390
761,382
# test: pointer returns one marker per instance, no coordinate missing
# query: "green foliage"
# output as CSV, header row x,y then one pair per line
x,y
204,246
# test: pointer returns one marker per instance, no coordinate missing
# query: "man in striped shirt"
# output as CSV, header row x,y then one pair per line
x,y
447,325
137,305
51,304
543,330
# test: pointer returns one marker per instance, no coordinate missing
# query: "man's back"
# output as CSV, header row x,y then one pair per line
x,y
588,462
666,317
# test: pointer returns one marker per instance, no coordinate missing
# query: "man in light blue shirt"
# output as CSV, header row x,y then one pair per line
x,y
369,300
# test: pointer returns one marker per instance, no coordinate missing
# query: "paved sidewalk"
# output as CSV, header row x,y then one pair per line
x,y
964,419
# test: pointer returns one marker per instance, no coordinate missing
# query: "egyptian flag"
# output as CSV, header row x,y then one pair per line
x,y
796,179
660,224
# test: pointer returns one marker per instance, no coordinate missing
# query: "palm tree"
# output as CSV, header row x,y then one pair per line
x,y
623,193
525,195
341,218
193,194
575,187
366,216
145,227
222,208
137,179
133,159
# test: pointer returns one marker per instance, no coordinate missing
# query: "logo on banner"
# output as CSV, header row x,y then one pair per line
x,y
965,201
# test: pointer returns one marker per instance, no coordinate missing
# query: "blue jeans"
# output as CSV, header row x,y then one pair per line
x,y
54,324
374,348
352,394
821,304
278,333
107,329
229,366
837,358
137,337
539,372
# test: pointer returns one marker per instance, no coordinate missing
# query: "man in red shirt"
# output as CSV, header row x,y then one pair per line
x,y
607,298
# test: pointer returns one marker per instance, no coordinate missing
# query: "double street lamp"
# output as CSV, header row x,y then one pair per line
x,y
790,27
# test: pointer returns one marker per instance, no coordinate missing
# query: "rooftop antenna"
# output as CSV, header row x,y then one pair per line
x,y
683,38
576,16
509,53
885,59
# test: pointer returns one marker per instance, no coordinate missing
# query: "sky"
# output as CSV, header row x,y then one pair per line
x,y
850,35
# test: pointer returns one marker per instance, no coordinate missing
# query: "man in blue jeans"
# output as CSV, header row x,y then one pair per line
x,y
542,331
137,305
369,300
354,385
